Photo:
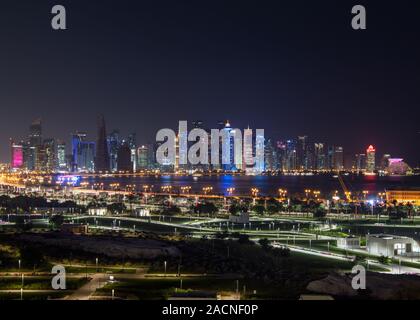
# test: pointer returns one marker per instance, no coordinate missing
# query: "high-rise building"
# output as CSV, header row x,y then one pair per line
x,y
17,155
198,124
40,158
102,162
319,156
338,159
132,143
113,146
290,160
271,156
302,152
331,158
259,152
370,159
76,140
360,162
228,152
35,133
29,156
143,158
83,153
61,156
50,155
124,158
86,157
385,161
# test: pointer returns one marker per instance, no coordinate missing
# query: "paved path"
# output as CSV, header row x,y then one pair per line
x,y
98,280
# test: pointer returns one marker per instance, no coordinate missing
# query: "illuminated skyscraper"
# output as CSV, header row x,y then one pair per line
x,y
143,160
319,156
50,155
360,162
113,146
338,159
290,161
86,157
61,156
132,143
248,158
228,152
302,152
40,158
76,140
17,160
385,161
370,159
271,156
102,163
181,147
35,133
259,151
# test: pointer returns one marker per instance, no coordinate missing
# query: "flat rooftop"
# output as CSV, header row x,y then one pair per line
x,y
387,236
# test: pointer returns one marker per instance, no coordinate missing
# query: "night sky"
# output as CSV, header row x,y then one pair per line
x,y
290,67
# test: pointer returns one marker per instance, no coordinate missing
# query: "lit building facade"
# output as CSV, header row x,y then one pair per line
x,y
370,159
17,155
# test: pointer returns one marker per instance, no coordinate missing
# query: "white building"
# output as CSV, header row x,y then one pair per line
x,y
348,243
243,217
390,245
97,211
142,212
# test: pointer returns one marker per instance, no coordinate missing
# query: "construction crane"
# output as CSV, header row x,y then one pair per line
x,y
346,191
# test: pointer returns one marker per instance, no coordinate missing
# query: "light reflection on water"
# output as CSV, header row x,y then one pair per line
x,y
267,185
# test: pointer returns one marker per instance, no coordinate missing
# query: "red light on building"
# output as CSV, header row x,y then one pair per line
x,y
370,149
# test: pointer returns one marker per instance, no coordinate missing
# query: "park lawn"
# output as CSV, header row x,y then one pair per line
x,y
33,295
38,283
162,288
101,269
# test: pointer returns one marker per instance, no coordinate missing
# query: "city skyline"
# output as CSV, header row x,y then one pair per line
x,y
116,152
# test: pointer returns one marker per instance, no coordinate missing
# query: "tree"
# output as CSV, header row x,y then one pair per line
x,y
258,209
57,220
283,251
264,243
244,239
222,235
384,260
272,209
234,209
116,207
320,213
23,224
31,256
206,208
171,210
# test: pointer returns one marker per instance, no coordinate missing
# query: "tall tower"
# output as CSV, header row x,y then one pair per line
x,y
370,159
35,133
102,156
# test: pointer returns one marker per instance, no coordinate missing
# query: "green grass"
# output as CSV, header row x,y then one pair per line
x,y
163,288
33,296
37,283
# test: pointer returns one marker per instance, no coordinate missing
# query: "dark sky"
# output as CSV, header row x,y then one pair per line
x,y
290,67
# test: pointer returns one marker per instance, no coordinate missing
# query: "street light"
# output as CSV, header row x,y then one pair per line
x,y
230,190
164,263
